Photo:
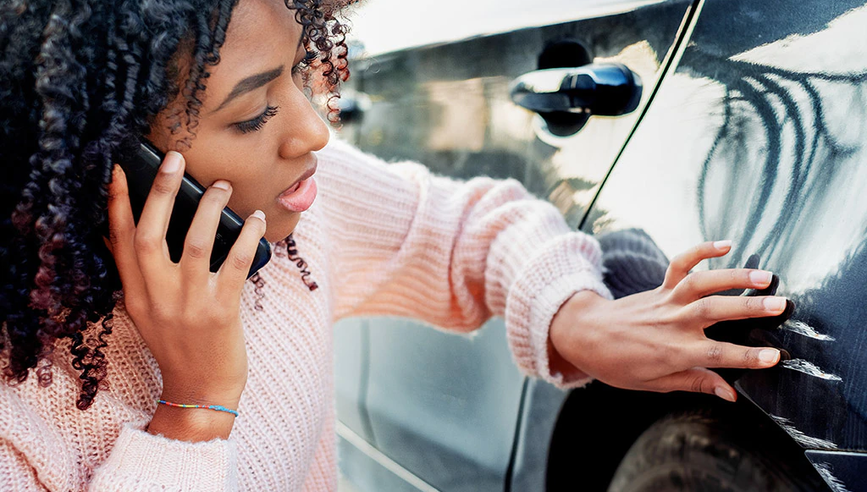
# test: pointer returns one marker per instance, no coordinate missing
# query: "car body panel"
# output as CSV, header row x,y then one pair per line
x,y
540,411
448,106
446,407
843,471
759,136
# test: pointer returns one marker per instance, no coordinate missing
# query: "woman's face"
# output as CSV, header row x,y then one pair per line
x,y
257,129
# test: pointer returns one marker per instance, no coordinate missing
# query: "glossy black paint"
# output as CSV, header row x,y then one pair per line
x,y
413,392
448,106
759,136
842,470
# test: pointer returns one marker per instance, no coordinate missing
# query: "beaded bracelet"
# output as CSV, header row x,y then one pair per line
x,y
219,408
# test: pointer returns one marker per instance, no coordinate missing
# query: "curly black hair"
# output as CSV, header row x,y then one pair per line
x,y
80,81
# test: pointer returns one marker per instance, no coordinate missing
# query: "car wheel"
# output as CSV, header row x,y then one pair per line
x,y
700,451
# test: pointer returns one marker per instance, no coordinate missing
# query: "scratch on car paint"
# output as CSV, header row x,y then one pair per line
x,y
827,474
809,368
800,437
806,330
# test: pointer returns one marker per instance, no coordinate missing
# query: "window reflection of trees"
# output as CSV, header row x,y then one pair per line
x,y
797,141
771,205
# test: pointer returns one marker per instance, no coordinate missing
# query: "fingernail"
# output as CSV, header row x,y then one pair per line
x,y
172,162
722,244
223,185
769,356
724,393
760,277
259,214
774,304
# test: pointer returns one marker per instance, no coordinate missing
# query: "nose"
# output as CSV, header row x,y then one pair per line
x,y
306,132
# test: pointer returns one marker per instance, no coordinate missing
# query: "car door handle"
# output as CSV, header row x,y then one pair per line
x,y
604,89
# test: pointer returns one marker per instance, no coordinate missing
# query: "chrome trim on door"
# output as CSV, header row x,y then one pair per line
x,y
383,460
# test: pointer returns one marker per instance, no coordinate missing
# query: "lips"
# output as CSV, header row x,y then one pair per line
x,y
292,189
300,196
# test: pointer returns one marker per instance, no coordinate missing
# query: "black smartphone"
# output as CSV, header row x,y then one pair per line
x,y
141,170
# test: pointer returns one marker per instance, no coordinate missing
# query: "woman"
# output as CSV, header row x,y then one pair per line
x,y
82,81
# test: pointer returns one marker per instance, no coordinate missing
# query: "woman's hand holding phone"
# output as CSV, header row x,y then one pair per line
x,y
187,316
655,340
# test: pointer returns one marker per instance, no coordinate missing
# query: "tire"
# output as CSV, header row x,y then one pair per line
x,y
700,451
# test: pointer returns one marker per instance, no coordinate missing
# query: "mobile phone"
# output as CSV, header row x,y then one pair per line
x,y
141,169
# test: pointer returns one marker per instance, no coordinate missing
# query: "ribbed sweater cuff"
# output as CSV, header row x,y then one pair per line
x,y
142,461
560,270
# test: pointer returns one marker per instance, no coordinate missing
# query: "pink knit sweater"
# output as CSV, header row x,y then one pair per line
x,y
380,239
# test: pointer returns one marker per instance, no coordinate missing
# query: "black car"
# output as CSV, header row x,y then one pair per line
x,y
673,121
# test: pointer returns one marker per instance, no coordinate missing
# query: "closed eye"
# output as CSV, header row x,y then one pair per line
x,y
258,122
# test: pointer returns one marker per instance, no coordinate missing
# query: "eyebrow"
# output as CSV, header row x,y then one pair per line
x,y
250,83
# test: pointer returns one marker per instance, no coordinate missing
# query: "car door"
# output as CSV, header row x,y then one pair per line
x,y
759,137
418,407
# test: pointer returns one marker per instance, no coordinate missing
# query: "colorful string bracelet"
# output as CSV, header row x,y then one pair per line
x,y
219,408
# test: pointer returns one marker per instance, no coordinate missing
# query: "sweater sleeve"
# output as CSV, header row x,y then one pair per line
x,y
141,461
453,254
16,474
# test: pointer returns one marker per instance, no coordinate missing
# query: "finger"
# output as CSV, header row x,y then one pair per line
x,y
682,264
121,232
710,310
150,237
199,242
695,380
700,284
233,273
719,355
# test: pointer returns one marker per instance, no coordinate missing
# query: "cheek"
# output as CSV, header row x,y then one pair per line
x,y
248,190
207,162
251,172
250,193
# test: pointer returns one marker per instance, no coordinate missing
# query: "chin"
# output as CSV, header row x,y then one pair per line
x,y
277,230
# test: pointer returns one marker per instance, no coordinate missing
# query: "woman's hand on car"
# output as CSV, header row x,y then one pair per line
x,y
654,340
187,316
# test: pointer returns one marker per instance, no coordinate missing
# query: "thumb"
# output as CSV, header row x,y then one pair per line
x,y
696,380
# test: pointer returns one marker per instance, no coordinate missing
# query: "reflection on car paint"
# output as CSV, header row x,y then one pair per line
x,y
797,138
448,107
759,136
766,146
412,28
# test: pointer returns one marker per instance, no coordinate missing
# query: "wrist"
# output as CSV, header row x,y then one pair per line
x,y
228,395
575,314
191,424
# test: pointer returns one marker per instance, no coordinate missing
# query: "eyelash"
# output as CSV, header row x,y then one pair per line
x,y
258,122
